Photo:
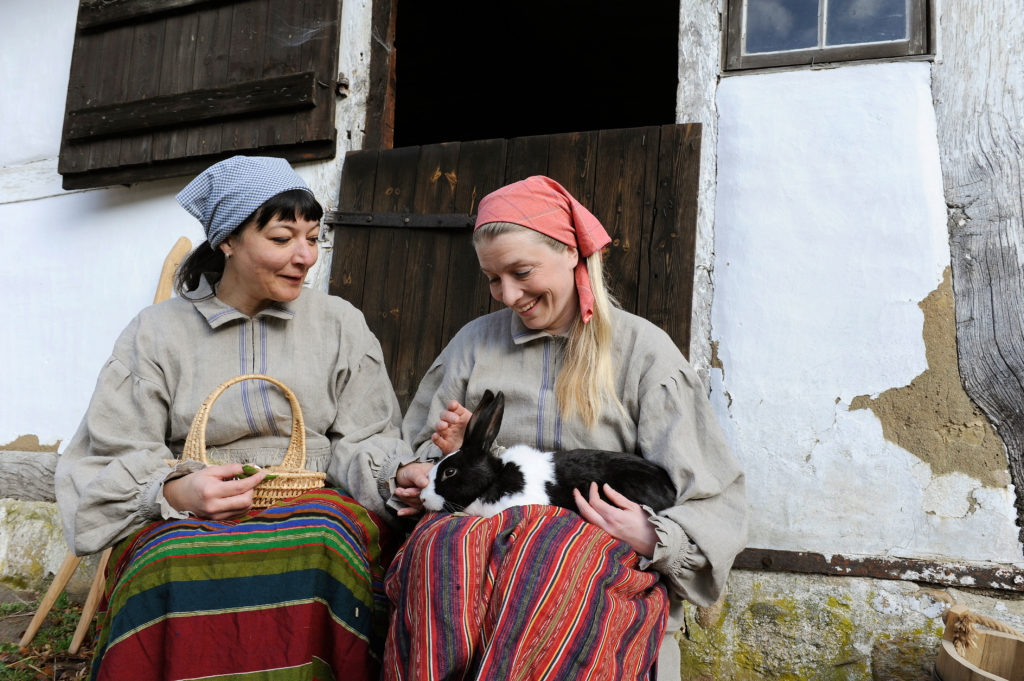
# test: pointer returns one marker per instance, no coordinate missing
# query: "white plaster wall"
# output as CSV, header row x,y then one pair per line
x,y
830,228
35,55
76,266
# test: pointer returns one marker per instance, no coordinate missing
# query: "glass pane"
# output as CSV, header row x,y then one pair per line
x,y
865,21
777,25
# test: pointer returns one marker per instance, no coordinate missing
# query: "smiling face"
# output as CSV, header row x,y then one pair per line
x,y
268,265
528,275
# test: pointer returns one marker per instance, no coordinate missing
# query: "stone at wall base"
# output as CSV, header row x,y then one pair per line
x,y
32,549
780,626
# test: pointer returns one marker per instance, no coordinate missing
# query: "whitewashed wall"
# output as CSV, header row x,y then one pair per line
x,y
830,228
76,266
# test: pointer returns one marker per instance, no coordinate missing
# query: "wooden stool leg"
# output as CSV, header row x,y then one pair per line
x,y
92,602
60,580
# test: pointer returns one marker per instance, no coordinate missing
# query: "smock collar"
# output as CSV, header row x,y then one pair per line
x,y
218,313
523,334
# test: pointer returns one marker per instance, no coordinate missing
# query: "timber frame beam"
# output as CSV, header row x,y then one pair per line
x,y
980,142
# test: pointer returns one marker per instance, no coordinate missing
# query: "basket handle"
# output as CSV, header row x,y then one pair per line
x,y
195,442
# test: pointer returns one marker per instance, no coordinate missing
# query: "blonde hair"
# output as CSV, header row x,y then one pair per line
x,y
587,378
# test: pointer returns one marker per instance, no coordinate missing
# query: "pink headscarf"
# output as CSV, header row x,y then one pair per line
x,y
541,204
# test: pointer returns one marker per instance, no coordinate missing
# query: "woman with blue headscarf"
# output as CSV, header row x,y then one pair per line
x,y
200,584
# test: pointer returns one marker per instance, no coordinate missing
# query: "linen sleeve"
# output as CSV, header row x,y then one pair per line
x,y
109,480
366,439
443,382
699,536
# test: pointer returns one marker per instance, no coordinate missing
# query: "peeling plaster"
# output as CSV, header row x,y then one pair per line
x,y
29,443
933,418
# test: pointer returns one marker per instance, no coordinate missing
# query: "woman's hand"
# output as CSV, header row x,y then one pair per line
x,y
626,520
449,431
213,492
411,478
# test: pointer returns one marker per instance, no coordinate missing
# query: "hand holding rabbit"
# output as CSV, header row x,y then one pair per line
x,y
626,520
479,481
410,480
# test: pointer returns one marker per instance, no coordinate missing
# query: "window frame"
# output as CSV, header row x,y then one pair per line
x,y
733,59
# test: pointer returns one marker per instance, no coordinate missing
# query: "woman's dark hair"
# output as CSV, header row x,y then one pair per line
x,y
294,203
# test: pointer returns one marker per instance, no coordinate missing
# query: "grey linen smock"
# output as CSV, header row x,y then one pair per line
x,y
109,480
668,421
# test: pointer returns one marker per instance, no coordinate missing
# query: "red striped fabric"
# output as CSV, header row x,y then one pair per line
x,y
532,593
292,593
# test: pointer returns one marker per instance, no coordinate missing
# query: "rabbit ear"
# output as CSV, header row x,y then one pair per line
x,y
485,422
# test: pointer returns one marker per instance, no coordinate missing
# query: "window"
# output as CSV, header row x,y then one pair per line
x,y
765,33
164,89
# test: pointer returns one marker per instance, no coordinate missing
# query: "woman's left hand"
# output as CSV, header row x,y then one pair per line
x,y
410,479
626,520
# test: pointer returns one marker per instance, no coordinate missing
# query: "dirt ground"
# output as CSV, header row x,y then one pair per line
x,y
41,660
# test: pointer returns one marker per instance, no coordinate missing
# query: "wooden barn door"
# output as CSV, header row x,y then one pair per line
x,y
402,250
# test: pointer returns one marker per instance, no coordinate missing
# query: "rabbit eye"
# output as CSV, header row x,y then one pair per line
x,y
449,472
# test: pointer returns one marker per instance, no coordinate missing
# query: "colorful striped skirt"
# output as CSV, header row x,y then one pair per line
x,y
534,593
292,592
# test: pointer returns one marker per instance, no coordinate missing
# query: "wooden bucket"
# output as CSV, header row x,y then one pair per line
x,y
988,656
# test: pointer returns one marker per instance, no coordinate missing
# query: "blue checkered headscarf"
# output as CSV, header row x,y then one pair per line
x,y
226,193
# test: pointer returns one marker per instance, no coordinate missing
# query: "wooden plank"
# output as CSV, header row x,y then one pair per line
x,y
380,100
256,97
143,83
526,156
109,84
481,170
980,160
176,77
669,299
319,52
75,157
213,39
387,252
191,165
94,14
351,245
285,34
428,221
245,63
998,576
571,160
626,159
425,275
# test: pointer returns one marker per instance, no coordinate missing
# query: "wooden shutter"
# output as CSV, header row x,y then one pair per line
x,y
402,250
162,88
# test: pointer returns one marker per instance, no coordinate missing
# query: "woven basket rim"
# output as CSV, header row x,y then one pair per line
x,y
292,476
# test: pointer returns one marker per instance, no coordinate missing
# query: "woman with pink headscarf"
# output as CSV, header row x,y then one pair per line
x,y
539,592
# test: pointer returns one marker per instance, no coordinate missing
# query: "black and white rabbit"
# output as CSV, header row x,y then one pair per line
x,y
478,482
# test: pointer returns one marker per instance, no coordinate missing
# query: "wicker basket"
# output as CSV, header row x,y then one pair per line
x,y
292,477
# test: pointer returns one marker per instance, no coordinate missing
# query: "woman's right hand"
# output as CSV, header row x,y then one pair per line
x,y
214,492
449,431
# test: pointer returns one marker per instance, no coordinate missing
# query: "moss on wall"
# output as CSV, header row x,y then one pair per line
x,y
787,627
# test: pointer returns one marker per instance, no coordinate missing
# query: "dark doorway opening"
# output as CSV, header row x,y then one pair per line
x,y
472,69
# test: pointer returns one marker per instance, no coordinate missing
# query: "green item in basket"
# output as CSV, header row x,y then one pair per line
x,y
252,469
